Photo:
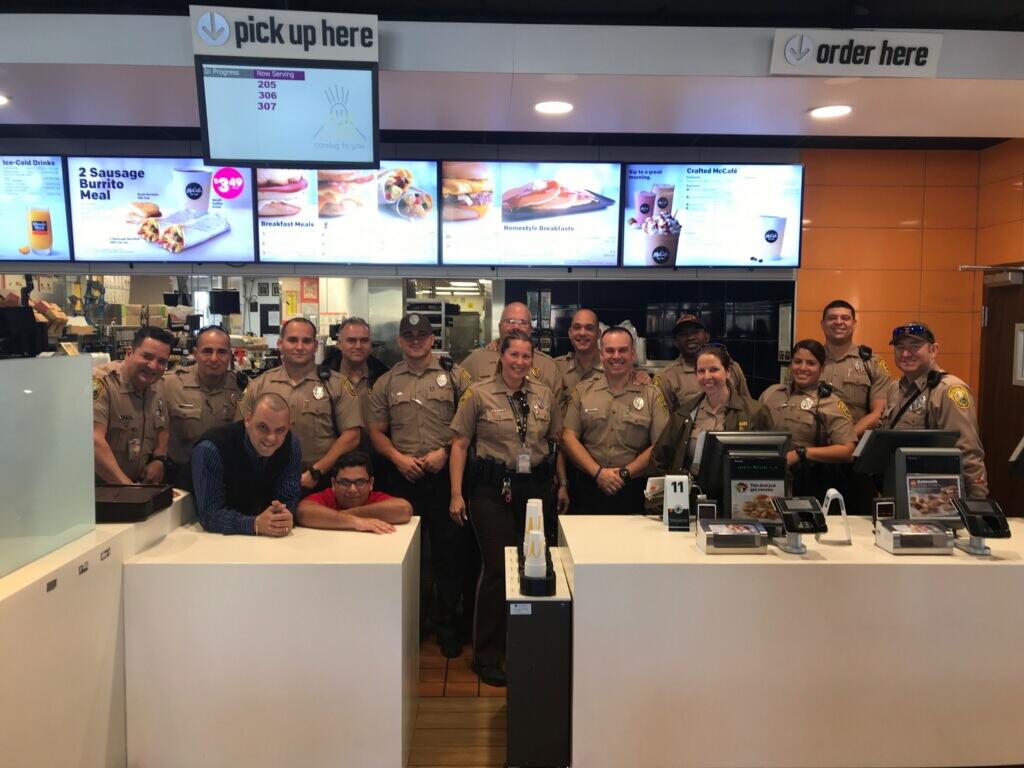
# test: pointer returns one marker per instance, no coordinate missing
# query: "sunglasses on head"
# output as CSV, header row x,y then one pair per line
x,y
913,329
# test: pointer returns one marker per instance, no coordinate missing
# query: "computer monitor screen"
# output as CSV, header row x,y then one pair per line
x,y
877,448
20,334
714,447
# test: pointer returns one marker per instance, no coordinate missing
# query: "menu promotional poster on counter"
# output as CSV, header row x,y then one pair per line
x,y
530,214
159,209
33,218
384,216
712,216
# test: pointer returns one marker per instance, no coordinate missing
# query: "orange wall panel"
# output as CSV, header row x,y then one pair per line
x,y
1001,244
947,248
867,290
856,167
958,365
863,248
950,207
953,331
872,206
1001,161
946,291
1001,201
946,168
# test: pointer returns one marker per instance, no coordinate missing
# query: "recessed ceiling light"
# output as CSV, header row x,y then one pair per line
x,y
553,107
4,101
835,110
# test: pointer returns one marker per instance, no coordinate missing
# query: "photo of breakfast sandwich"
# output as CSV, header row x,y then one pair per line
x,y
341,192
280,191
466,190
138,212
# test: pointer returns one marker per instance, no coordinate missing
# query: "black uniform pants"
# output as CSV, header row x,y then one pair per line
x,y
588,499
430,497
497,525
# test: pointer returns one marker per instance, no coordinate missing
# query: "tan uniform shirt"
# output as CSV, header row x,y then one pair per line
x,y
615,427
416,408
193,408
705,420
949,405
573,373
678,382
132,418
802,413
857,382
362,390
485,413
482,363
309,402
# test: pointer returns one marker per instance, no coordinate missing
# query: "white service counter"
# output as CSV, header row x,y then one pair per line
x,y
270,652
845,656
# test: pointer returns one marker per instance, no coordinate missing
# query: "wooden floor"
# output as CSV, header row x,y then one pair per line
x,y
460,721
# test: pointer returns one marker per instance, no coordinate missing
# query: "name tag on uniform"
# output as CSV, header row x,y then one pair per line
x,y
523,464
185,405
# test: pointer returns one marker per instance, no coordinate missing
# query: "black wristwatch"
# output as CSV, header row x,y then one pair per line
x,y
316,474
447,449
624,473
801,453
162,459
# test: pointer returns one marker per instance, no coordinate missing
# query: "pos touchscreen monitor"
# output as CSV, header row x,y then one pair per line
x,y
744,470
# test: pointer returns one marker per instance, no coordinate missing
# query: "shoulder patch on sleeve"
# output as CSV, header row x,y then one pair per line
x,y
844,409
960,396
349,387
660,400
97,388
466,395
656,381
884,367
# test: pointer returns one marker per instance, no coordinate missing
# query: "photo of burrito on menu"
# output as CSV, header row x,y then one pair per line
x,y
383,216
160,209
530,214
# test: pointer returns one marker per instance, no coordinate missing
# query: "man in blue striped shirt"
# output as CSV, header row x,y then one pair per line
x,y
247,474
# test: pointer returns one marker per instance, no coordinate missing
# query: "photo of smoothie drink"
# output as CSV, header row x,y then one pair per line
x,y
661,240
663,194
769,232
192,185
644,205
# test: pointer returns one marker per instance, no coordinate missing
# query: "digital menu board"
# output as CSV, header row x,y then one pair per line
x,y
724,215
385,216
156,209
530,214
300,113
33,214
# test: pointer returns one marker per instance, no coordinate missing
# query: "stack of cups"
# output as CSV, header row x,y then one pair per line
x,y
534,520
534,549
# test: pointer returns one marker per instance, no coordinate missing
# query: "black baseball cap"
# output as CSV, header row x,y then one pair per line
x,y
414,322
685,320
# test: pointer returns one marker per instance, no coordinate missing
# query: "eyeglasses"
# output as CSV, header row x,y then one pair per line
x,y
516,321
913,329
346,484
713,345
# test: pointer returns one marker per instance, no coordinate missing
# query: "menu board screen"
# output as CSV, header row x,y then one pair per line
x,y
712,216
530,214
33,216
155,209
349,216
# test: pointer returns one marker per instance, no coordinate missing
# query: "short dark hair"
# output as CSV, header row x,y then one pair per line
x,y
514,336
618,329
814,347
299,319
152,332
353,459
352,321
212,329
719,351
839,304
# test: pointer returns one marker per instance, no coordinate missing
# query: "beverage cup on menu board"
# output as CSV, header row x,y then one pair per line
x,y
192,186
40,231
660,240
663,195
770,231
644,205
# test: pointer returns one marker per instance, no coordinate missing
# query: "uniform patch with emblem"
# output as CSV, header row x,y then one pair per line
x,y
859,366
414,319
350,387
466,395
844,409
319,392
960,396
535,372
657,381
97,388
660,400
918,405
441,379
638,403
806,404
884,367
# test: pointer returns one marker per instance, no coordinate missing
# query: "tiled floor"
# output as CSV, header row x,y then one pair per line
x,y
460,721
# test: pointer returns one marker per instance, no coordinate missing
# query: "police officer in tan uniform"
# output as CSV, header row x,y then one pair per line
x,y
201,397
821,424
678,382
325,411
610,425
409,413
927,397
481,362
584,362
513,417
129,416
858,376
352,359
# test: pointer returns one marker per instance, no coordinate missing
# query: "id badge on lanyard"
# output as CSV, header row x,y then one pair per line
x,y
521,411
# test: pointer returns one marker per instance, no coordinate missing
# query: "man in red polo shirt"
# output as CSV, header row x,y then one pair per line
x,y
351,503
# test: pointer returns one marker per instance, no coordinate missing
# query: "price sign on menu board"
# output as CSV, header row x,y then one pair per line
x,y
33,215
301,113
712,216
349,216
158,209
530,214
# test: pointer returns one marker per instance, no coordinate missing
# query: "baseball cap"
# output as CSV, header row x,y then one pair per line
x,y
414,322
917,330
685,320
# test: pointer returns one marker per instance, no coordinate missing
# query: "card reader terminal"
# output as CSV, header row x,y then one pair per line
x,y
984,519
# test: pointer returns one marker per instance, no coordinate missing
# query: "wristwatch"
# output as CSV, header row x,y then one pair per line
x,y
624,473
447,449
801,453
316,474
162,459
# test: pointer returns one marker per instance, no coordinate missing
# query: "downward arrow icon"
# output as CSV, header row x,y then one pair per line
x,y
797,49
